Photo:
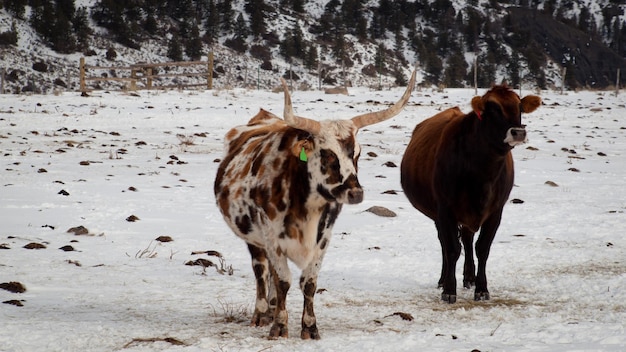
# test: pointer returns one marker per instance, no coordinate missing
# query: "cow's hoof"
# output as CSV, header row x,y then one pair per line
x,y
262,319
468,283
310,333
448,298
278,331
481,296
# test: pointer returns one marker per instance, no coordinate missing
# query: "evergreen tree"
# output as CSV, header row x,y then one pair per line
x,y
293,45
327,21
379,58
298,6
174,50
433,66
240,29
256,10
381,18
486,75
41,18
52,22
311,58
61,36
325,26
9,37
399,44
82,29
622,41
120,18
16,7
513,70
472,28
182,10
351,13
455,72
227,15
211,26
585,21
193,44
150,25
338,46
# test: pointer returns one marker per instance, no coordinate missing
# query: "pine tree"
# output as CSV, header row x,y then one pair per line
x,y
311,58
174,50
82,29
211,26
513,70
338,47
193,44
455,72
256,10
486,75
241,29
297,6
293,45
16,7
327,21
9,37
61,36
433,66
227,15
379,58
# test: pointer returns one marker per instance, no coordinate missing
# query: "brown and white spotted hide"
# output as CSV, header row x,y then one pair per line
x,y
280,187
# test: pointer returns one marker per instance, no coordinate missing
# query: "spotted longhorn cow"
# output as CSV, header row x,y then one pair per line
x,y
280,187
458,170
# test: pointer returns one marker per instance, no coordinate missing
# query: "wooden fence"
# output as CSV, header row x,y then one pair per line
x,y
148,75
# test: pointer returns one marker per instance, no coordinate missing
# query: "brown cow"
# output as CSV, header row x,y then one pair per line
x,y
280,187
458,171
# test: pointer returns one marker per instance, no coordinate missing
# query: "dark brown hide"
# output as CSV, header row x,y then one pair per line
x,y
458,171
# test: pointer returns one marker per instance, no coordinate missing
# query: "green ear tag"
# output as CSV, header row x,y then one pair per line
x,y
303,156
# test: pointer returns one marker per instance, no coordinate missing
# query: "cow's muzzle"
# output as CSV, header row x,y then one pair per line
x,y
515,136
355,196
349,192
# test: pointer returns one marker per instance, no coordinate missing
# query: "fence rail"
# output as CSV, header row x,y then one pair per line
x,y
147,75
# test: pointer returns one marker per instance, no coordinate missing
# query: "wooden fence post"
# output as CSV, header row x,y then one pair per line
x,y
133,81
563,79
149,77
2,80
83,88
209,79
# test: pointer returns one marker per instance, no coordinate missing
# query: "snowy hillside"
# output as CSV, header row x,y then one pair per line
x,y
443,37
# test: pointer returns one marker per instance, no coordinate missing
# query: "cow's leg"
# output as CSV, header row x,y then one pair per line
x,y
263,314
448,232
469,270
308,285
443,265
281,276
483,246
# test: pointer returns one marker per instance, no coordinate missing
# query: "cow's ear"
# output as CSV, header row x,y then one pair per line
x,y
530,103
302,146
477,104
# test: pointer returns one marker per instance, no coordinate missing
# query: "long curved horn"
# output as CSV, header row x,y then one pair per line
x,y
379,116
302,123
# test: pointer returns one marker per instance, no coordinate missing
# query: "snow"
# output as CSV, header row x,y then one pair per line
x,y
557,269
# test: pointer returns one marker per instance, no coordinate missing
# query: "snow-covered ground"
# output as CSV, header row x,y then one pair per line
x,y
557,268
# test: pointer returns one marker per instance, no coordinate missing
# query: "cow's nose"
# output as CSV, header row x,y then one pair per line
x,y
355,196
519,134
